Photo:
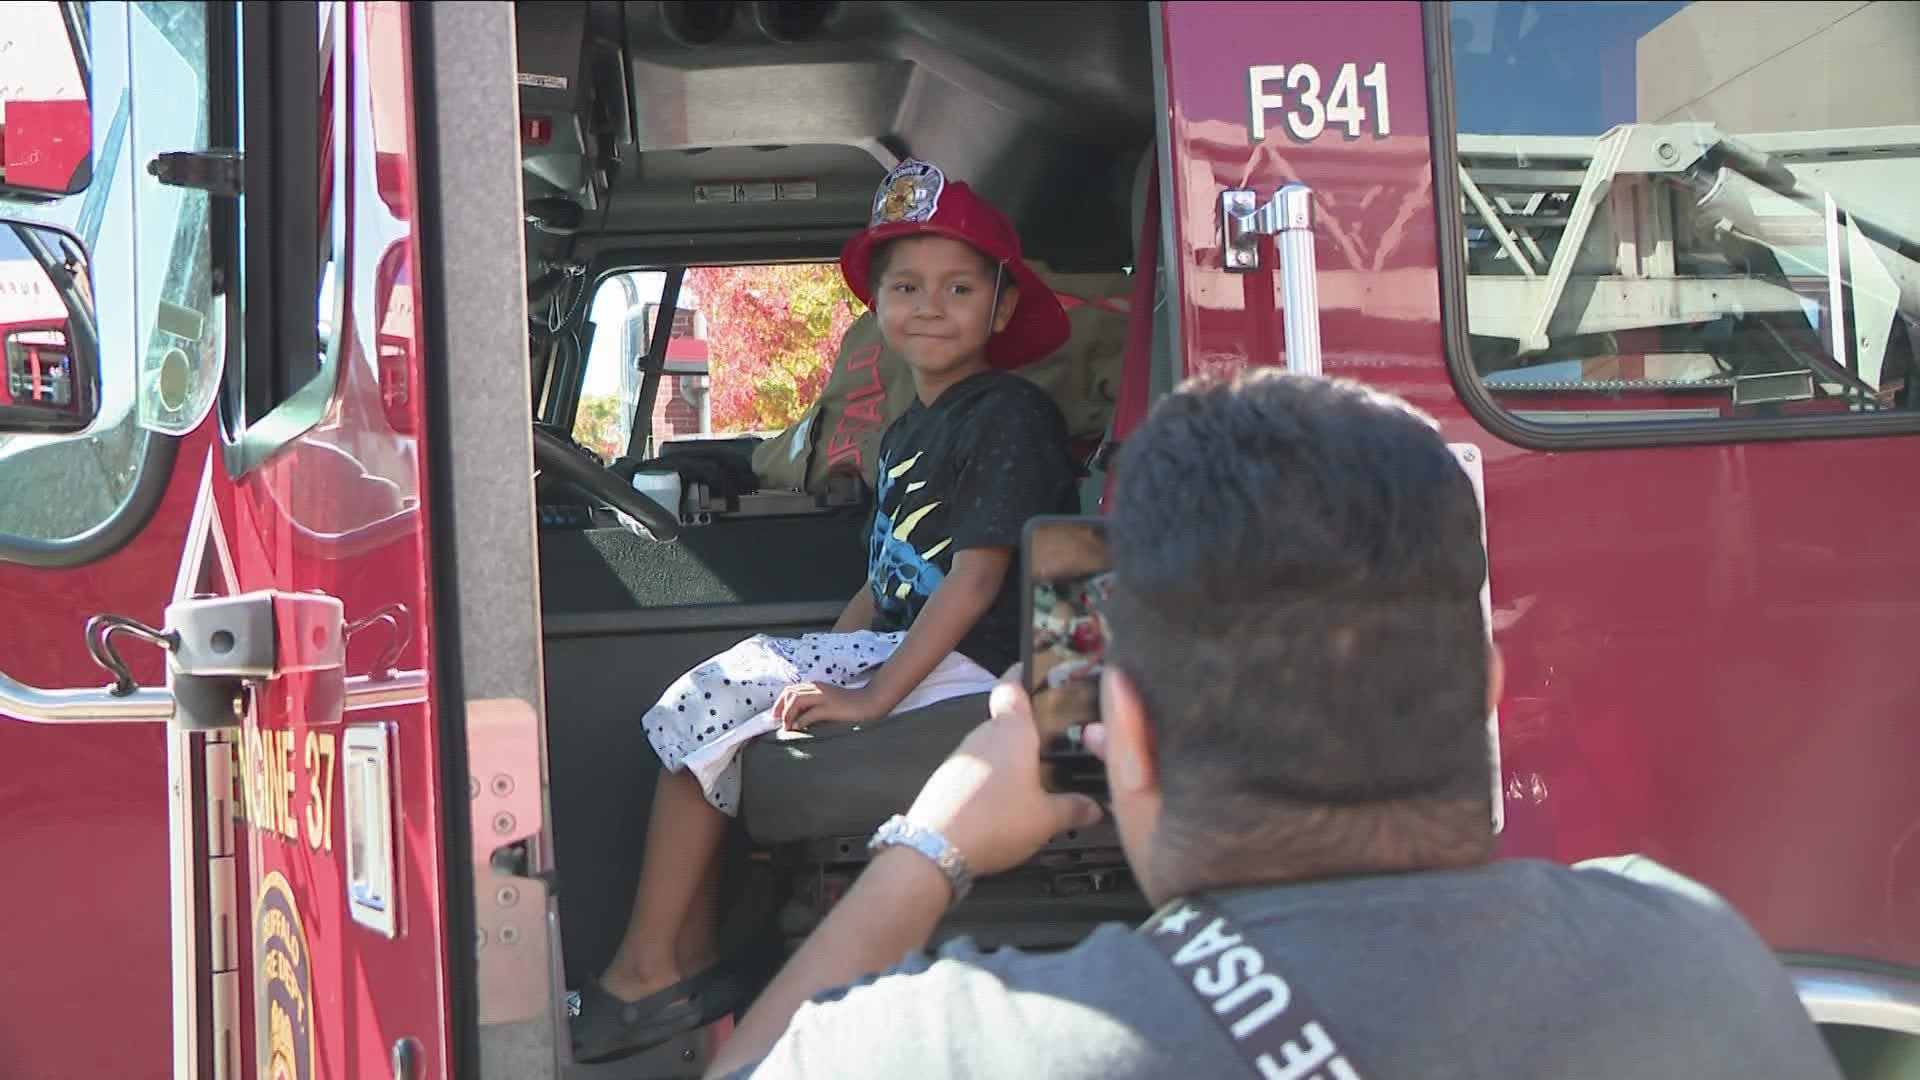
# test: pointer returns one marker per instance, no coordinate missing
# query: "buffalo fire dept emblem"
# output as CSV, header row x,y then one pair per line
x,y
911,192
283,1007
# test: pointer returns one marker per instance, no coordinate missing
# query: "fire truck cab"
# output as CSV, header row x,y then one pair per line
x,y
330,627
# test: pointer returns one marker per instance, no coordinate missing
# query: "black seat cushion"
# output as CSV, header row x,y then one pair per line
x,y
846,779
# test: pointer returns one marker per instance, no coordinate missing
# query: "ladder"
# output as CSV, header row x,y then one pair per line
x,y
1571,240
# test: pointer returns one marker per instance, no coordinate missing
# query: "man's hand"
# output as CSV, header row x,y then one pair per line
x,y
987,799
803,705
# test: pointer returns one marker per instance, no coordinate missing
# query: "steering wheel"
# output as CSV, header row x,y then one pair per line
x,y
556,455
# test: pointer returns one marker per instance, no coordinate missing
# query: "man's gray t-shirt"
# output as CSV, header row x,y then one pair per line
x,y
1519,968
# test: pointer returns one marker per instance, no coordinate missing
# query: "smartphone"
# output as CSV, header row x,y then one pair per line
x,y
1066,574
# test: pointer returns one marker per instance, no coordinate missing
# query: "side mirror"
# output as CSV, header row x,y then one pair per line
x,y
49,342
394,337
46,112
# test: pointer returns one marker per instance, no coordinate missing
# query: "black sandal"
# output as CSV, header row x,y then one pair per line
x,y
718,991
609,1027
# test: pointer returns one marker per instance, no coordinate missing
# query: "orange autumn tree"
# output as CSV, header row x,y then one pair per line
x,y
772,333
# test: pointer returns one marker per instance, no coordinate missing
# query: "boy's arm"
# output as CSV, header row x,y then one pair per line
x,y
959,602
1016,466
965,594
858,614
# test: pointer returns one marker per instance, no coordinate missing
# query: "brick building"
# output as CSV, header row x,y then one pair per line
x,y
681,408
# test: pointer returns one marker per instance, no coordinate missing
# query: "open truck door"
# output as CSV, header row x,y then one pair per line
x,y
236,672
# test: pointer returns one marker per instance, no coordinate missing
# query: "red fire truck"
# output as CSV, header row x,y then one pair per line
x,y
324,643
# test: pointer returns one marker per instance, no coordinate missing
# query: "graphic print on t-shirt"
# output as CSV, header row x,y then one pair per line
x,y
965,472
901,567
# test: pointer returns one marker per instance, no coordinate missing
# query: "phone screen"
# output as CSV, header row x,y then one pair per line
x,y
1066,574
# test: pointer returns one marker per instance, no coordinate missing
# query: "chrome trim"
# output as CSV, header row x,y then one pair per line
x,y
223,913
220,809
399,688
1860,999
1239,231
1474,463
94,706
228,940
185,856
149,705
1292,216
1288,218
227,1045
1837,274
346,159
1170,336
371,844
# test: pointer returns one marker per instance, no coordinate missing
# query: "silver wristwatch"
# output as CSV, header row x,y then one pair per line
x,y
899,832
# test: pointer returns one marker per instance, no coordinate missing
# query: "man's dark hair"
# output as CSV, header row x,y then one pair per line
x,y
1298,564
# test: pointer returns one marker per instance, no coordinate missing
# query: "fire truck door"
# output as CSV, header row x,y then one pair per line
x,y
1299,167
299,640
327,919
386,905
389,895
361,929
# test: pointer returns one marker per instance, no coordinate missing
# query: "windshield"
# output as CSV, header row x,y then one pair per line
x,y
750,352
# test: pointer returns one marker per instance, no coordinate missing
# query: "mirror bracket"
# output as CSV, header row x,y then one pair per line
x,y
217,172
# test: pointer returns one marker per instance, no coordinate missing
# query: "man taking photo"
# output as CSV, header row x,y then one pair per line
x,y
1294,731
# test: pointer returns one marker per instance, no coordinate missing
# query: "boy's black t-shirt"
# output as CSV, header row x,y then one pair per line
x,y
967,471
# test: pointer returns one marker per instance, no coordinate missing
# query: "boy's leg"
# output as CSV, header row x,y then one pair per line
x,y
696,949
684,837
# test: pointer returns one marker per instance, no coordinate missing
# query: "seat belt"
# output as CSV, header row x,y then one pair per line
x,y
1268,1021
1136,365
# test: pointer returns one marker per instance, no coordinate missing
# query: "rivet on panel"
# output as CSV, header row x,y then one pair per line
x,y
406,1059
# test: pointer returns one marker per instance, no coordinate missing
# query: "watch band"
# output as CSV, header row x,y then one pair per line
x,y
899,832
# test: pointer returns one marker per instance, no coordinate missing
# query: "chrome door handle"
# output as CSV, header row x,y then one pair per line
x,y
1288,218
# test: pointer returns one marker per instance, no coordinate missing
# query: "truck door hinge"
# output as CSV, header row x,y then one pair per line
x,y
219,646
217,172
516,860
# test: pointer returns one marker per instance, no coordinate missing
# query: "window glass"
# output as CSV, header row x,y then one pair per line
x,y
57,489
279,387
750,351
1690,210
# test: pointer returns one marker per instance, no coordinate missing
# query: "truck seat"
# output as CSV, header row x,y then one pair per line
x,y
846,779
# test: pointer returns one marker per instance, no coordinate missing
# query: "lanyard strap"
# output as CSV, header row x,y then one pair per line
x,y
1274,1028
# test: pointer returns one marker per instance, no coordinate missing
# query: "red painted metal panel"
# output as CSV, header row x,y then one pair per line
x,y
1708,648
342,510
84,918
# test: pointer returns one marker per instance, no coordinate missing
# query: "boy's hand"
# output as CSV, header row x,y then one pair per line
x,y
803,705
